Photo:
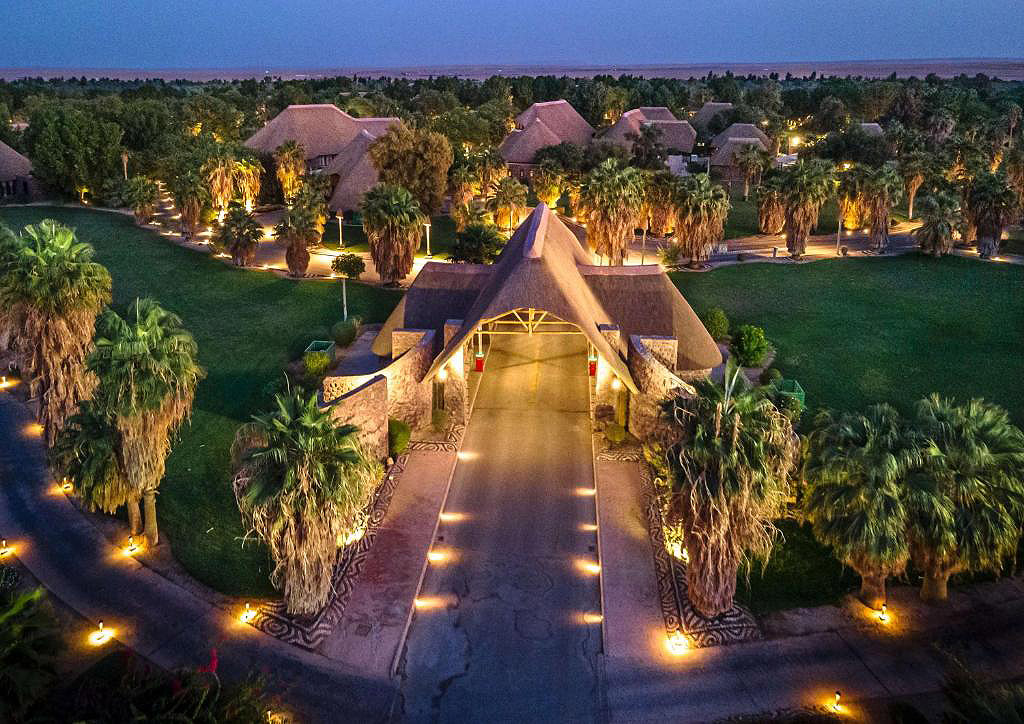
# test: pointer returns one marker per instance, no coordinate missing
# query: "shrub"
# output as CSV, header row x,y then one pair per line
x,y
439,420
750,346
348,265
344,333
614,433
316,363
716,323
770,376
673,256
478,244
398,437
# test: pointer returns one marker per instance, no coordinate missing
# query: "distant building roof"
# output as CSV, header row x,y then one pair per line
x,y
356,174
872,129
12,164
740,130
520,146
675,135
322,129
725,155
707,112
560,118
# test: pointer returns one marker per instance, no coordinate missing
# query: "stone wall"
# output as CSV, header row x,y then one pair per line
x,y
650,363
366,407
456,388
607,389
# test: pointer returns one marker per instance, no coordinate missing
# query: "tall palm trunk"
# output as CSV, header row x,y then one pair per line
x,y
149,508
134,517
710,578
935,587
872,588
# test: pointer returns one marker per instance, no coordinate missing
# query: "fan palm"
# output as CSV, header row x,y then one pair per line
x,y
303,486
140,194
850,189
882,187
660,201
940,215
52,292
507,201
248,174
290,158
191,195
1013,166
752,161
991,204
393,225
312,194
87,451
701,210
857,466
806,185
148,370
30,642
220,172
914,166
729,479
546,181
967,501
239,235
297,231
612,197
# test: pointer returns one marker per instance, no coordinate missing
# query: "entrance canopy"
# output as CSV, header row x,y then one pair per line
x,y
544,267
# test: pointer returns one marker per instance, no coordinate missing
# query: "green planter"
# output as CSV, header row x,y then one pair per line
x,y
320,345
793,389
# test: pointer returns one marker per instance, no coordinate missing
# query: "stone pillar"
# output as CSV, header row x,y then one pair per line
x,y
608,390
456,388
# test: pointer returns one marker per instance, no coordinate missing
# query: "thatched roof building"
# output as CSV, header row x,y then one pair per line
x,y
677,136
520,146
707,113
541,125
872,129
15,174
355,174
740,130
725,156
545,267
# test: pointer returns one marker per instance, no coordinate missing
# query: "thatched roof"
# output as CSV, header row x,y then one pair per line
x,y
521,146
12,164
675,135
356,174
726,154
707,112
872,129
322,129
740,130
560,118
545,266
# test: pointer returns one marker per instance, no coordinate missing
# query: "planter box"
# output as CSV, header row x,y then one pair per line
x,y
320,345
793,389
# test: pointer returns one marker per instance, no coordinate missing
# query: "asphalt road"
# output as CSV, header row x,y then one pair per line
x,y
503,633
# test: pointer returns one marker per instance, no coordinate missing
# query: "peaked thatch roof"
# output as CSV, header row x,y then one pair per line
x,y
675,135
356,174
726,154
560,118
322,129
740,130
12,164
521,146
872,129
707,112
545,266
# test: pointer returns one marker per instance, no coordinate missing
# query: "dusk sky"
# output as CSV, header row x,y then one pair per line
x,y
326,33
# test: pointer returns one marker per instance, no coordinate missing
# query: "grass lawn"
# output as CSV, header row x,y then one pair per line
x,y
742,219
859,331
248,325
442,236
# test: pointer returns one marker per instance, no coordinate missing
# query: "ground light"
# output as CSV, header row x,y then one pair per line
x,y
587,566
677,643
66,486
883,615
131,548
101,635
5,550
248,614
835,705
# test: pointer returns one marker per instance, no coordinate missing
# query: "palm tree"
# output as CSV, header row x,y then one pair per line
x,y
991,204
248,175
1013,166
393,225
660,201
507,201
940,215
752,161
806,185
478,244
87,452
612,196
882,187
771,209
30,643
52,291
297,231
140,194
701,210
290,158
239,235
191,195
856,469
967,501
546,180
729,479
489,167
914,166
303,486
220,172
148,370
850,187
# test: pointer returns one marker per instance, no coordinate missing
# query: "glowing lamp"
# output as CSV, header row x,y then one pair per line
x,y
883,615
437,556
590,567
677,643
616,384
5,550
101,635
3,381
132,548
442,374
835,705
66,486
248,614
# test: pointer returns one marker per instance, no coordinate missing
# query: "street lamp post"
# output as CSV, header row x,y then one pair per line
x,y
341,223
429,255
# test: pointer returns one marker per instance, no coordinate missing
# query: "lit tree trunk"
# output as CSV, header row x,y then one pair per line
x,y
149,506
710,578
935,586
134,517
872,589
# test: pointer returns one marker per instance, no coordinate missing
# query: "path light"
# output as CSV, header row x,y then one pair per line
x,y
442,374
132,548
438,556
677,643
248,614
101,635
616,384
5,550
588,527
453,517
66,486
587,566
883,615
835,705
584,492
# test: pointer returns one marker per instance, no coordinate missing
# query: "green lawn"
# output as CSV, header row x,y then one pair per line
x,y
442,236
742,219
859,331
248,325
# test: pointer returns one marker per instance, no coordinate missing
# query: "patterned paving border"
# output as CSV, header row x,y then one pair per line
x,y
451,442
735,625
310,632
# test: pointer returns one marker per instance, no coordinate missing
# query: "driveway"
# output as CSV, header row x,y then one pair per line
x,y
507,626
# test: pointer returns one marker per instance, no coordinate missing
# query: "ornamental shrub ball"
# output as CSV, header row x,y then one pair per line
x,y
345,332
398,436
770,376
614,433
716,323
316,362
348,265
749,346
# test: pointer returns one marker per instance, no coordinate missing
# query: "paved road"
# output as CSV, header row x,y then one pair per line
x,y
507,639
